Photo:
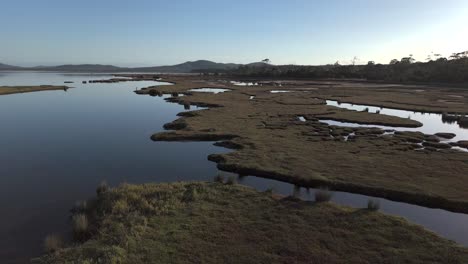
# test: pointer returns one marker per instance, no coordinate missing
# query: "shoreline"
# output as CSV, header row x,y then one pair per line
x,y
7,90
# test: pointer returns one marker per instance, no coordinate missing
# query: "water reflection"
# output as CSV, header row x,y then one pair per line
x,y
210,90
432,122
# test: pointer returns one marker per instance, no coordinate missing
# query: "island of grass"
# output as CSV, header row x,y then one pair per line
x,y
5,90
195,222
269,140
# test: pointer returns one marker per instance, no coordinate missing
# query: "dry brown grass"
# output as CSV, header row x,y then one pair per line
x,y
272,143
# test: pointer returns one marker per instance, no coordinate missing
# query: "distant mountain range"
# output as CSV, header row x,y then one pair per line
x,y
186,67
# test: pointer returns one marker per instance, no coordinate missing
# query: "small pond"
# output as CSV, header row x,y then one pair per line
x,y
210,90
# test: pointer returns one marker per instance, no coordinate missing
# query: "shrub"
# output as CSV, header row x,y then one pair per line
x,y
80,226
102,188
373,205
323,195
53,243
153,92
186,105
219,178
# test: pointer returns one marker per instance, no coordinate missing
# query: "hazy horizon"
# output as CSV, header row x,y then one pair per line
x,y
155,33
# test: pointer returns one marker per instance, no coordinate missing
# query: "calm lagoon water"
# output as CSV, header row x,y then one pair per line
x,y
57,146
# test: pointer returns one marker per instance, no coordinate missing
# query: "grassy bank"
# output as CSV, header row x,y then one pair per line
x,y
5,90
224,223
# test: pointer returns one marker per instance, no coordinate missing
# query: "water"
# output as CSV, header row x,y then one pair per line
x,y
279,91
57,146
237,83
432,122
210,90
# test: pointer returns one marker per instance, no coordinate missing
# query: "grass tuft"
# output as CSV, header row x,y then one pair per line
x,y
80,226
53,243
373,205
323,195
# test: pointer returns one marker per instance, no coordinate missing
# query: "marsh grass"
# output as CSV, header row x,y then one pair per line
x,y
80,226
210,222
53,243
373,205
323,195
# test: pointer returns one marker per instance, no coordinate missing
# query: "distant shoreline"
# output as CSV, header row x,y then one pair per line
x,y
6,90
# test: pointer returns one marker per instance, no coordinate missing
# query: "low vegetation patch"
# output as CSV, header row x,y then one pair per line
x,y
323,195
53,243
373,205
221,223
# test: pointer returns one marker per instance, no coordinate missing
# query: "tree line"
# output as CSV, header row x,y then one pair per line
x,y
437,69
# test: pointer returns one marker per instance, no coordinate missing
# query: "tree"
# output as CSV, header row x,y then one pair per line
x,y
394,61
370,63
354,60
429,57
267,61
407,60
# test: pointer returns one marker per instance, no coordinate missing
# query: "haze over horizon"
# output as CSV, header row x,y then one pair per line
x,y
153,33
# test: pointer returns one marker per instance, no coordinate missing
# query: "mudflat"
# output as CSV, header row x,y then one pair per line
x,y
269,140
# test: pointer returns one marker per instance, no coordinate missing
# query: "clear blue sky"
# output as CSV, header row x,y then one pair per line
x,y
158,32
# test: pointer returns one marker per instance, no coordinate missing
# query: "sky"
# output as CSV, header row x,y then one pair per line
x,y
164,32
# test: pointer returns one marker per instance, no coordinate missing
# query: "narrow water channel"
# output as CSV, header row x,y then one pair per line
x,y
432,122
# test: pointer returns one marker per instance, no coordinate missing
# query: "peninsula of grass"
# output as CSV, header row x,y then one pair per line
x,y
5,90
194,222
